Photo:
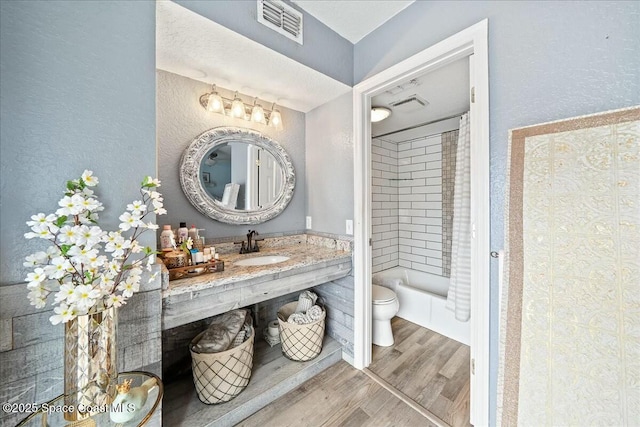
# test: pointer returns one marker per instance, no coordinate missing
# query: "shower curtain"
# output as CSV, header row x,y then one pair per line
x,y
459,294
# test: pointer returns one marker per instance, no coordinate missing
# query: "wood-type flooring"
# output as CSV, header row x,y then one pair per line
x,y
422,380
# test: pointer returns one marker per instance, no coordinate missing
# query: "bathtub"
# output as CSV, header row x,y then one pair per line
x,y
422,297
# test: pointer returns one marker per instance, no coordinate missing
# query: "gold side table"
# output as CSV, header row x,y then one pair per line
x,y
52,413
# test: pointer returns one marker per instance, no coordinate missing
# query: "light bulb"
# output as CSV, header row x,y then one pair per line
x,y
257,113
237,107
214,102
275,119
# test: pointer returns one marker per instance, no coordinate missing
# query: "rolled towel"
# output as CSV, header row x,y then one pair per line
x,y
305,301
222,331
298,318
314,313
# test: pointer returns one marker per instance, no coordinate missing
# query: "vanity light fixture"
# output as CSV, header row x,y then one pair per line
x,y
236,108
379,113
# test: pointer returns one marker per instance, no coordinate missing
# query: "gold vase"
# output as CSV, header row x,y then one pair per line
x,y
90,363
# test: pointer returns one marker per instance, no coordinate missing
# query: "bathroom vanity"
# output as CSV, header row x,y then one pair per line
x,y
308,264
311,261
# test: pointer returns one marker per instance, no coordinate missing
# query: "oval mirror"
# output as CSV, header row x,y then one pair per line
x,y
237,176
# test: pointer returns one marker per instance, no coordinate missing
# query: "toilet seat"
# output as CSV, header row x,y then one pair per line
x,y
382,295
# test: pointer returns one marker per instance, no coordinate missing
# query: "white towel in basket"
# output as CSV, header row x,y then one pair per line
x,y
305,301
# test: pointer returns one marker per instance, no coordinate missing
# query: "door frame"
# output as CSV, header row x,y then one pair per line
x,y
470,41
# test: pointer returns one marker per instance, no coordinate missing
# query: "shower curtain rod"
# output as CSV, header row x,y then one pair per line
x,y
418,125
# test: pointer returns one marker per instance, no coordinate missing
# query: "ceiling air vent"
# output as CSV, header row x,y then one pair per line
x,y
281,17
409,104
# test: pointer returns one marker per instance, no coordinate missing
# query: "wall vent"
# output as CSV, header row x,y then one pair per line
x,y
281,17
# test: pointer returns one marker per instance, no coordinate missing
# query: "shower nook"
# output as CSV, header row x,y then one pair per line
x,y
412,215
406,237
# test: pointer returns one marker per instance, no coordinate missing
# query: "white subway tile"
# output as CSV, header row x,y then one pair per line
x,y
434,262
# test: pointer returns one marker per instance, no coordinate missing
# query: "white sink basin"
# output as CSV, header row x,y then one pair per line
x,y
261,260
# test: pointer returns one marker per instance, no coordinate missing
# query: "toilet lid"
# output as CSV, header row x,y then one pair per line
x,y
382,294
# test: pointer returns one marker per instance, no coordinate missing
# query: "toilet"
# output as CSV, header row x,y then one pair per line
x,y
385,306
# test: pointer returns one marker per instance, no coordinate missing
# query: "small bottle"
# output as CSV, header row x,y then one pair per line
x,y
183,232
193,233
166,238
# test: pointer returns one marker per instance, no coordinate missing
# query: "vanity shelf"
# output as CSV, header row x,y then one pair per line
x,y
273,376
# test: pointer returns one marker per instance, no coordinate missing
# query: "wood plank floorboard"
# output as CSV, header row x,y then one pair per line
x,y
428,368
339,396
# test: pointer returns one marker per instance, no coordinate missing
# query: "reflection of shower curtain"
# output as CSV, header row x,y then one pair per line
x,y
459,296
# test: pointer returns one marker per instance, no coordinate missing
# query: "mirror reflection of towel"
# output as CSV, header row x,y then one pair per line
x,y
230,195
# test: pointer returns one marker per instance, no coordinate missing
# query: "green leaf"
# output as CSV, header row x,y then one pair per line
x,y
64,249
61,220
71,186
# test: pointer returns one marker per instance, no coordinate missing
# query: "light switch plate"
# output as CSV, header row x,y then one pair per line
x,y
308,223
349,228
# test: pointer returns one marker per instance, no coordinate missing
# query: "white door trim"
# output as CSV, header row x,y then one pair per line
x,y
471,41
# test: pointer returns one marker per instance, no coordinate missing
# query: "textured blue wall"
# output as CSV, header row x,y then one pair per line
x,y
547,61
78,91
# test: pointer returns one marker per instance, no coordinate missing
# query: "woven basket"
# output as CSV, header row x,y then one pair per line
x,y
219,377
300,342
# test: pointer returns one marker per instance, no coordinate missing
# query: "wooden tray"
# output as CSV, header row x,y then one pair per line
x,y
196,270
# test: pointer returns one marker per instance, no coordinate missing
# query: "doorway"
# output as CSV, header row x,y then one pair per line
x,y
470,43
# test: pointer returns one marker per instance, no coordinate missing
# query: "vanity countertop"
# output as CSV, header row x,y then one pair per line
x,y
300,256
312,261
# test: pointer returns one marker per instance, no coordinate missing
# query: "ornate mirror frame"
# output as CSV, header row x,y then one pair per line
x,y
207,205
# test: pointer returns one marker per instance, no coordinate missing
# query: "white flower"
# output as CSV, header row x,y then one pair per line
x,y
52,252
89,179
151,226
66,293
160,211
64,313
38,296
118,246
149,181
90,204
85,297
137,207
115,301
153,277
135,247
42,219
58,268
39,230
36,278
70,205
128,221
154,195
81,255
129,286
69,234
39,258
89,236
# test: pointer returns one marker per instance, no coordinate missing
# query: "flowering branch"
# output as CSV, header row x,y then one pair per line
x,y
88,280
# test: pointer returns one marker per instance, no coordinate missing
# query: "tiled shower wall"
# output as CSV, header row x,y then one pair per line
x,y
420,204
384,204
412,203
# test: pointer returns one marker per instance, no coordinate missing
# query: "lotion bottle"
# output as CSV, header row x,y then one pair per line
x,y
166,238
183,232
